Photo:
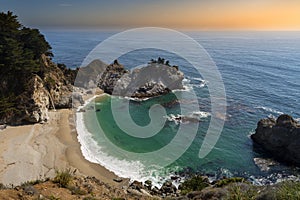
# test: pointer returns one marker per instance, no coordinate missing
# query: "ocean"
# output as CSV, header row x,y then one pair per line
x,y
261,74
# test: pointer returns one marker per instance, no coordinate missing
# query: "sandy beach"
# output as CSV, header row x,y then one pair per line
x,y
33,152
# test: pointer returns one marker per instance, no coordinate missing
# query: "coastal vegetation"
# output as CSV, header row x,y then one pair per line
x,y
68,185
30,82
63,178
21,49
196,183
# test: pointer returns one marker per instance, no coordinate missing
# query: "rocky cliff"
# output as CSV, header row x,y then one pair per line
x,y
59,87
30,83
279,137
48,89
152,80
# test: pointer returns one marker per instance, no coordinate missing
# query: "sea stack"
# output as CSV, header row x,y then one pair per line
x,y
281,138
155,79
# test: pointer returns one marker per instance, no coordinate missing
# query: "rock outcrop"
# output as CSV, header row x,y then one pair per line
x,y
88,76
152,80
280,137
55,81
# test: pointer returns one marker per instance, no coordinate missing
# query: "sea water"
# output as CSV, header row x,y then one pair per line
x,y
261,74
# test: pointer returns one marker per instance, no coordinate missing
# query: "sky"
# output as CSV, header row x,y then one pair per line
x,y
185,14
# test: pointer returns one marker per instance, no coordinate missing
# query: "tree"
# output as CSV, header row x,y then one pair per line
x,y
21,49
35,42
8,23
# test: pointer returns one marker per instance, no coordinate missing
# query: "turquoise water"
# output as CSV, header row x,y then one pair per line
x,y
261,73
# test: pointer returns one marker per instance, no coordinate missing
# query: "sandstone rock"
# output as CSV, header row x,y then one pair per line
x,y
34,103
280,137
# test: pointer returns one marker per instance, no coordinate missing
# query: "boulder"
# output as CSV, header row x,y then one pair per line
x,y
136,185
281,138
3,126
168,188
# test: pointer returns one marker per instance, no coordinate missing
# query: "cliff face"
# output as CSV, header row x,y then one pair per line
x,y
279,137
60,89
37,107
43,91
149,81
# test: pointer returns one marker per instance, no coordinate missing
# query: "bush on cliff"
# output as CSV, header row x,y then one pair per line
x,y
196,183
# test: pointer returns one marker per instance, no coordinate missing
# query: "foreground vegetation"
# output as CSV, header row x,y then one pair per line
x,y
67,185
237,188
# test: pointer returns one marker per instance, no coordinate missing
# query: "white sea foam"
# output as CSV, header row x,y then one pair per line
x,y
187,84
93,153
202,82
250,133
201,114
269,110
191,117
135,99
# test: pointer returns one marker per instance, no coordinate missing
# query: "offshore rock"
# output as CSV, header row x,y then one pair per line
x,y
155,79
281,138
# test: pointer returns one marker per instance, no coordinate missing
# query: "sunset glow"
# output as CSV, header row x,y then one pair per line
x,y
190,14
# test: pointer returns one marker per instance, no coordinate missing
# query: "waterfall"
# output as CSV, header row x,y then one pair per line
x,y
51,99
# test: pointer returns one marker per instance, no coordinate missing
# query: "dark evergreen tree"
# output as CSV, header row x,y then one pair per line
x,y
21,49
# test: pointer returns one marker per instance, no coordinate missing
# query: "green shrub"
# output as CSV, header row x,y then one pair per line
x,y
50,82
236,191
89,198
288,190
196,183
77,191
52,197
63,178
2,186
226,181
